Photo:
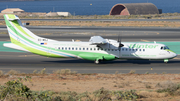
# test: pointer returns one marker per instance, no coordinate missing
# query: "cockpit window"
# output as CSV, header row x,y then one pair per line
x,y
167,47
164,47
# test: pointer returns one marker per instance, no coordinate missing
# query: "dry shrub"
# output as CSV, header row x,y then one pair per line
x,y
13,72
43,71
64,72
169,87
1,73
35,72
148,94
132,72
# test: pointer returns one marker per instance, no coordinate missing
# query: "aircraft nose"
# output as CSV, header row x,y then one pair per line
x,y
174,54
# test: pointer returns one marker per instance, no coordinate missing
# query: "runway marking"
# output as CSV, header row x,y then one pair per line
x,y
145,40
27,55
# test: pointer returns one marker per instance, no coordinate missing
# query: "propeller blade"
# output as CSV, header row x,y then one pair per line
x,y
119,40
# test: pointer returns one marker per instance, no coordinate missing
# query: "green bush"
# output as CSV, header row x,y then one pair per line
x,y
15,88
126,95
102,94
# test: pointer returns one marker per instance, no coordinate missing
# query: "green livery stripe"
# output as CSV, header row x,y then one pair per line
x,y
16,24
11,16
170,50
36,51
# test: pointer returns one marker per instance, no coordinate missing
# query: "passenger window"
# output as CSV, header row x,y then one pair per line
x,y
112,49
94,48
132,49
115,49
139,49
69,48
126,49
129,49
66,48
72,48
108,49
79,48
143,49
62,48
136,49
98,49
76,48
105,49
87,49
122,49
83,48
101,48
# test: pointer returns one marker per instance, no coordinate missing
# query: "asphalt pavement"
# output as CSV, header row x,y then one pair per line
x,y
28,62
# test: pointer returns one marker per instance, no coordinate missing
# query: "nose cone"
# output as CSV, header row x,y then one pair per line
x,y
175,54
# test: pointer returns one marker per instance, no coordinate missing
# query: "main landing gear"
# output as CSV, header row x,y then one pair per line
x,y
97,61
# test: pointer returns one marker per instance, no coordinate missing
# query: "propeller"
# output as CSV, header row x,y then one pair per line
x,y
119,41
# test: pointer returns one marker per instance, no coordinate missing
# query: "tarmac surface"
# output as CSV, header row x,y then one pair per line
x,y
27,62
98,20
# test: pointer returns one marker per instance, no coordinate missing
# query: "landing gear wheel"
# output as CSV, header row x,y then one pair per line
x,y
96,61
165,60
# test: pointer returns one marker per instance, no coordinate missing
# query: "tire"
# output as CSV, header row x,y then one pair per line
x,y
96,61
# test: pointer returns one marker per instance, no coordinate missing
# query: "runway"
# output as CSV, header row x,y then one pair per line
x,y
27,62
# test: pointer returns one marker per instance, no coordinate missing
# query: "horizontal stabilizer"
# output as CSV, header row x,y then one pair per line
x,y
97,40
14,46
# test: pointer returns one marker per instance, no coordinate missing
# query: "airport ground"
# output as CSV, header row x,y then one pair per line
x,y
112,75
19,60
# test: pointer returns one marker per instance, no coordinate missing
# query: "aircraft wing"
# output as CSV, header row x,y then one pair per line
x,y
97,40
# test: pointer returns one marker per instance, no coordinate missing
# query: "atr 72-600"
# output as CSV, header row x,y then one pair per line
x,y
96,49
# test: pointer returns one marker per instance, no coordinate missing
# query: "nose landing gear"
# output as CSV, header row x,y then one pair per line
x,y
166,60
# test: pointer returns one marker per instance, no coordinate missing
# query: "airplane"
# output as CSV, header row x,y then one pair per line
x,y
97,49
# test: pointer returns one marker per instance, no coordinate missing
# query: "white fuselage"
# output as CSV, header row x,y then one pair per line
x,y
128,51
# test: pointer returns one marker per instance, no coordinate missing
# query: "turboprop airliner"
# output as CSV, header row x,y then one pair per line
x,y
96,49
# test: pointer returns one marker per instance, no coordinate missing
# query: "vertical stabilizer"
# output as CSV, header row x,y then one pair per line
x,y
17,31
